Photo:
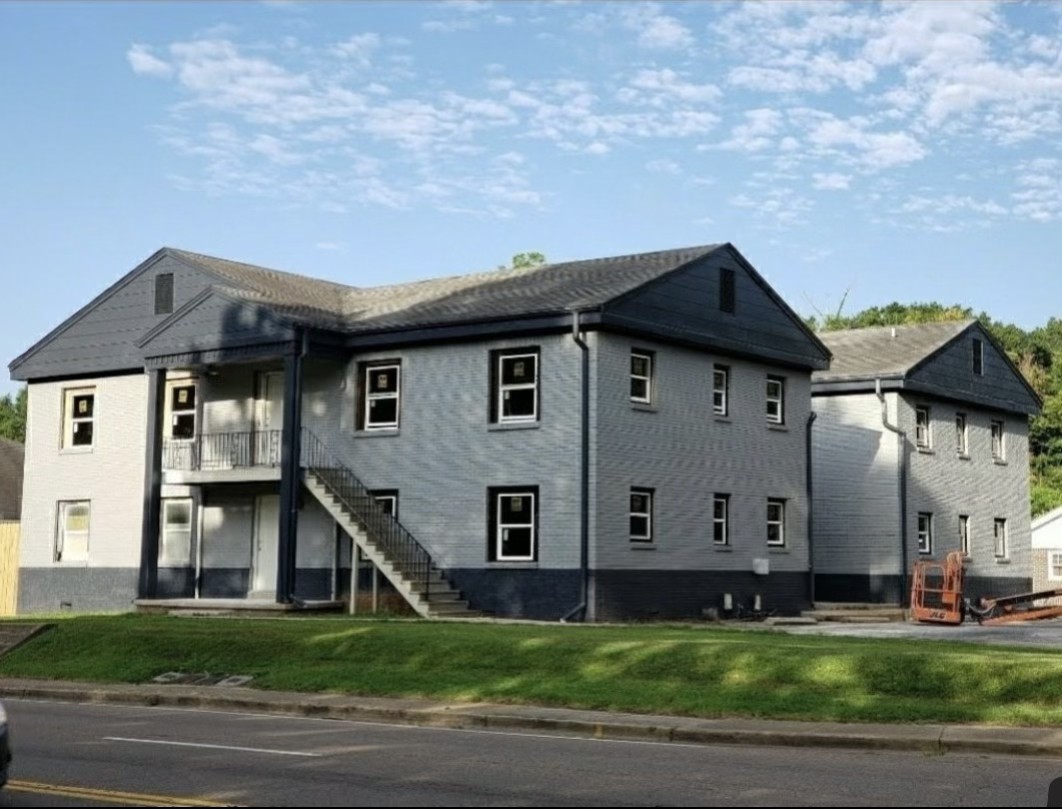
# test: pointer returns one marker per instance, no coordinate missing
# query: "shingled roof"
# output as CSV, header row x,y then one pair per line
x,y
457,299
886,351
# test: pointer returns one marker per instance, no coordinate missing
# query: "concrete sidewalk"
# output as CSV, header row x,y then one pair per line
x,y
933,739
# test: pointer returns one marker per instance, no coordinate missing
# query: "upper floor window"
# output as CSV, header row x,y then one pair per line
x,y
727,292
641,515
978,356
776,522
925,532
962,435
79,415
514,525
164,293
721,390
964,534
1000,531
72,531
514,396
721,519
182,410
642,377
775,400
381,391
999,448
923,437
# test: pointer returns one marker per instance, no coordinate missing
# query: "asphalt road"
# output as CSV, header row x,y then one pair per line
x,y
1041,634
136,755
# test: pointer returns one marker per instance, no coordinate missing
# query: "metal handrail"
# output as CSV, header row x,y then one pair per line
x,y
397,543
229,450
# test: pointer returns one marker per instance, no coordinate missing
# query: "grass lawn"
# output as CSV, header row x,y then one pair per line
x,y
690,671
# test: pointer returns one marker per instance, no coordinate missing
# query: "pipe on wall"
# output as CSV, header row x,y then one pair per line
x,y
901,437
580,609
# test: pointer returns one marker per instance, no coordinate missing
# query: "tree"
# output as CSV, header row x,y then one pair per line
x,y
525,261
13,416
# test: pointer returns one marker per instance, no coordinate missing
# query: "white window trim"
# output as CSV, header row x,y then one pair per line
x,y
962,434
965,544
373,397
61,532
69,419
779,417
780,522
923,433
997,524
648,357
165,530
723,408
503,388
651,495
1002,454
926,547
172,412
1051,555
724,520
500,527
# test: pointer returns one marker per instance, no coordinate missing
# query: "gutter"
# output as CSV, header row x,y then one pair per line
x,y
584,489
811,510
902,473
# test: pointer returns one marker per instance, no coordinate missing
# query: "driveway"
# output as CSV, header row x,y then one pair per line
x,y
1041,634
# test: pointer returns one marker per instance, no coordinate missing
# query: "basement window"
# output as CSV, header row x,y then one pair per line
x,y
72,531
776,523
641,515
513,524
1000,532
925,532
175,546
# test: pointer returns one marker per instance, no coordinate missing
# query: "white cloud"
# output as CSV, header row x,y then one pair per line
x,y
359,48
664,166
831,182
656,30
756,133
330,246
147,64
665,87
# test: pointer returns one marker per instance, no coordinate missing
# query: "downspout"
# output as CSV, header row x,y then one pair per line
x,y
902,442
811,511
584,493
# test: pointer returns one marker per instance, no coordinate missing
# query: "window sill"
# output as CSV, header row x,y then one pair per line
x,y
514,565
778,549
515,425
724,419
723,548
926,450
778,428
1002,561
962,456
76,450
999,462
60,563
642,545
388,433
644,407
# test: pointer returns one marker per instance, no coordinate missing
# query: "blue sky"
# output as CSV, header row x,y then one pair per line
x,y
894,151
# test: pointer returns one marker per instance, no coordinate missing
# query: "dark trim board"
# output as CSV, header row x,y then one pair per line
x,y
623,595
541,594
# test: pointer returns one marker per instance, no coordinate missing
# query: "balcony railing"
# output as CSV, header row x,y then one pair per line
x,y
219,451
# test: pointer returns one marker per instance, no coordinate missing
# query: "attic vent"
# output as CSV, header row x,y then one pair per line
x,y
727,297
978,356
164,293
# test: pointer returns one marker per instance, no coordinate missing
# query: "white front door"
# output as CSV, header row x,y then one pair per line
x,y
264,548
269,418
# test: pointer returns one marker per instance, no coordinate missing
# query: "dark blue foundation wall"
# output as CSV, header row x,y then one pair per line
x,y
644,595
176,582
858,589
545,595
313,583
224,582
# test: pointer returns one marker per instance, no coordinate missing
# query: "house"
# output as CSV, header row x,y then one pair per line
x,y
920,447
1047,552
613,438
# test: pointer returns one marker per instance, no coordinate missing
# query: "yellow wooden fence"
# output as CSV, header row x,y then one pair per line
x,y
9,532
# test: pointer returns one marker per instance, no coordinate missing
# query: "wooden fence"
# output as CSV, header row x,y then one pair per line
x,y
9,533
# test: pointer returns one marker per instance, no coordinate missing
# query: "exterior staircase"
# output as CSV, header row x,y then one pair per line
x,y
382,539
855,613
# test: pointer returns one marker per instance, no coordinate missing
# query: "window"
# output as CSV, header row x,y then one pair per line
x,y
381,386
164,293
72,531
182,411
642,377
964,534
922,433
1054,565
720,519
925,532
515,389
775,400
776,522
721,390
79,413
513,525
727,293
999,449
388,500
978,356
641,515
175,546
1000,534
962,437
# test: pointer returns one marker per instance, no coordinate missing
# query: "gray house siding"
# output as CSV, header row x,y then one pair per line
x,y
687,455
446,454
685,304
949,373
103,336
856,485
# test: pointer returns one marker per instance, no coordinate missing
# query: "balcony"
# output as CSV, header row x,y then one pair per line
x,y
249,455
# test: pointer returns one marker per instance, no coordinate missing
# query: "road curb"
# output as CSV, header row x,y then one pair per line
x,y
927,739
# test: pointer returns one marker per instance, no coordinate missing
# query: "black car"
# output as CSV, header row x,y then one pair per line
x,y
5,748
